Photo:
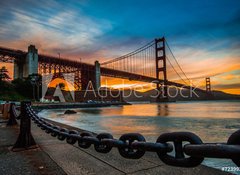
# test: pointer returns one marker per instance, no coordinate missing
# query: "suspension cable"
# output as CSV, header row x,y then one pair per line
x,y
131,53
176,71
177,62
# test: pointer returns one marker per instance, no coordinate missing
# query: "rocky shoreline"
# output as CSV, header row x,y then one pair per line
x,y
40,106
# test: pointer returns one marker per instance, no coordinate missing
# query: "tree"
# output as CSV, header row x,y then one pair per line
x,y
4,74
61,85
23,87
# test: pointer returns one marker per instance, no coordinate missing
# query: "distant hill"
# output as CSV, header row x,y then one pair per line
x,y
175,95
225,96
131,95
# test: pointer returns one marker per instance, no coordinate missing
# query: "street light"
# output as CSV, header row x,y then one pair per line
x,y
34,82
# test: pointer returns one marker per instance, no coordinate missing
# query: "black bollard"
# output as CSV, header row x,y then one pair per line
x,y
12,118
25,139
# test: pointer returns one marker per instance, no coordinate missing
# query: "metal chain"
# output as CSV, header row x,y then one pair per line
x,y
134,145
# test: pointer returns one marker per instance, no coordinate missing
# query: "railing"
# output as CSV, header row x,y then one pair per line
x,y
134,145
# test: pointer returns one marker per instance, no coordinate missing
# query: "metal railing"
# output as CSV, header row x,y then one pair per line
x,y
189,149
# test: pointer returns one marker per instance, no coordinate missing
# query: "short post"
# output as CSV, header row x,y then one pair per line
x,y
1,108
12,118
5,112
25,139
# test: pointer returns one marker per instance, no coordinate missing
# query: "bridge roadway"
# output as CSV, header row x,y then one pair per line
x,y
18,54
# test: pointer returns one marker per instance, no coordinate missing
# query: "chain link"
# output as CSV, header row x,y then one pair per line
x,y
179,159
101,147
234,139
189,149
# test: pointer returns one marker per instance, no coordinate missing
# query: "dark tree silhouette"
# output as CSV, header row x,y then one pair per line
x,y
4,74
61,85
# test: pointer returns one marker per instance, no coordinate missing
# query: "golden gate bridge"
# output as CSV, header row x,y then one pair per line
x,y
153,63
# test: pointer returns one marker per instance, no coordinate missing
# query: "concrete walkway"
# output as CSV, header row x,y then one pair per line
x,y
58,157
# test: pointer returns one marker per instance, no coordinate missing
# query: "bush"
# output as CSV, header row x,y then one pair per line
x,y
23,87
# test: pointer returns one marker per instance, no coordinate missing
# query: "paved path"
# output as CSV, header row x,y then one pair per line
x,y
58,157
29,162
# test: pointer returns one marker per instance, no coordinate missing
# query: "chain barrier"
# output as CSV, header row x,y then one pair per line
x,y
189,149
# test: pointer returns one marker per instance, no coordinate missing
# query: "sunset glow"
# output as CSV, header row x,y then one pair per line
x,y
205,42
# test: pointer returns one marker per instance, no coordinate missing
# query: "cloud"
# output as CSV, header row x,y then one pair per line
x,y
228,86
230,77
201,63
205,42
69,32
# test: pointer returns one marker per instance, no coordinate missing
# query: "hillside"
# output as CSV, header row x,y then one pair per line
x,y
185,95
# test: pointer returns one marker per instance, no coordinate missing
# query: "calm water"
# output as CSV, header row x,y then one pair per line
x,y
212,121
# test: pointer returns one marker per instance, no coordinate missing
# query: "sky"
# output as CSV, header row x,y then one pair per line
x,y
203,35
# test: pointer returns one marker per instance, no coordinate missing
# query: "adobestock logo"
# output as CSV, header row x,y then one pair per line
x,y
109,92
126,90
59,93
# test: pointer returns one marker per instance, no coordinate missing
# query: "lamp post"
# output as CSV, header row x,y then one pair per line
x,y
34,82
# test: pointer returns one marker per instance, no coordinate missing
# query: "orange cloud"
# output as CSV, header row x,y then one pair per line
x,y
232,91
117,83
230,77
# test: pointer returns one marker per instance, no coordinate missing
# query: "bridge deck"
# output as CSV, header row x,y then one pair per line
x,y
18,54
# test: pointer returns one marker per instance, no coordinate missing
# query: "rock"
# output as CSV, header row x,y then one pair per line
x,y
70,112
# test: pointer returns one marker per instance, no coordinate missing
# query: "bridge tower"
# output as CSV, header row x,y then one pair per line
x,y
209,94
28,65
161,68
91,79
208,85
97,75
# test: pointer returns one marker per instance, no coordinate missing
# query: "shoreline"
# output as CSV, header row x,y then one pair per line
x,y
57,157
40,106
95,134
68,126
